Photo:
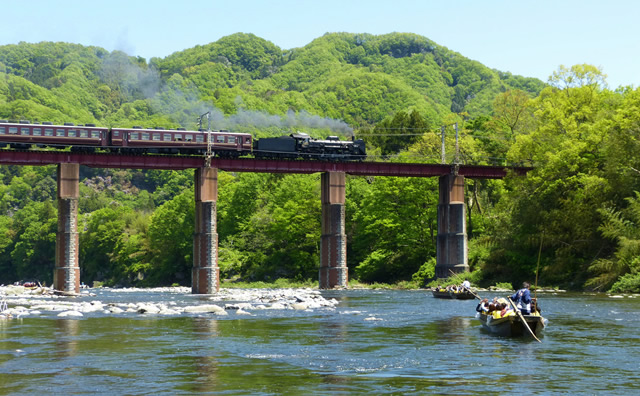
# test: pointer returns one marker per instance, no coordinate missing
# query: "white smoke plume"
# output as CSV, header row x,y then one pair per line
x,y
179,100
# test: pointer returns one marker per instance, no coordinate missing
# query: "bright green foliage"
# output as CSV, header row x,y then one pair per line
x,y
171,241
561,198
281,234
395,228
112,247
425,273
622,270
31,253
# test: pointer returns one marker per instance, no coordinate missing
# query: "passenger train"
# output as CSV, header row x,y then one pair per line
x,y
137,140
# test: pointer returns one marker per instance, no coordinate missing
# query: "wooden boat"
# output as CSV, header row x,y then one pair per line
x,y
512,326
441,293
463,295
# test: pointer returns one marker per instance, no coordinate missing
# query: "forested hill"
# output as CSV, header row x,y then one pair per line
x,y
358,79
574,221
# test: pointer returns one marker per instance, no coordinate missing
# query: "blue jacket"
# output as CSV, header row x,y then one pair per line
x,y
522,296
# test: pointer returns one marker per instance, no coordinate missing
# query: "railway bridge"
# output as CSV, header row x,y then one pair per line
x,y
333,272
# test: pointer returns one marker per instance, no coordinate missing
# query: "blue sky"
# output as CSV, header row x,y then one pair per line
x,y
529,38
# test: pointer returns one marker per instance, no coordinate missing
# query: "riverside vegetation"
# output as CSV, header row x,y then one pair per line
x,y
394,91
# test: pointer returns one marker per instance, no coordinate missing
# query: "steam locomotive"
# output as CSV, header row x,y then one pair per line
x,y
137,140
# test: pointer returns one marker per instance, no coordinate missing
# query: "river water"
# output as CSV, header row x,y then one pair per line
x,y
373,342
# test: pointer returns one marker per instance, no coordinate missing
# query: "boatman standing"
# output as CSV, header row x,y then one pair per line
x,y
466,284
522,299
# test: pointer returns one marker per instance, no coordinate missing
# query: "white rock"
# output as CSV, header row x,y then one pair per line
x,y
148,308
207,308
69,314
221,313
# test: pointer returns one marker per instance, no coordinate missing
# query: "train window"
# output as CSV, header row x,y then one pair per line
x,y
24,131
84,133
116,133
166,137
37,132
59,132
220,139
72,133
177,137
13,130
188,138
134,136
200,138
1,130
95,134
232,139
156,136
248,140
145,136
48,132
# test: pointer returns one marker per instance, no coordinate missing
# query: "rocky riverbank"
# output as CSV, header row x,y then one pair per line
x,y
24,302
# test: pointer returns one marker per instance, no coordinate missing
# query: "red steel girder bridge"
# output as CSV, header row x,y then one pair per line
x,y
175,162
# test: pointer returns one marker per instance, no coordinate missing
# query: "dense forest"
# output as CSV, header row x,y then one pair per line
x,y
580,205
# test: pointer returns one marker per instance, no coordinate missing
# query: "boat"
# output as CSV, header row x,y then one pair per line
x,y
512,326
442,293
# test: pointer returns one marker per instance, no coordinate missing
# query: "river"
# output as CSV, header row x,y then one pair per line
x,y
373,342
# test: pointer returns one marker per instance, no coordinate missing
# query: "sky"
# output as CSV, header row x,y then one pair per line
x,y
527,38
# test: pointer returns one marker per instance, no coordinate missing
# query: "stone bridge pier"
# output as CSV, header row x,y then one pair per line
x,y
452,231
66,275
205,276
333,243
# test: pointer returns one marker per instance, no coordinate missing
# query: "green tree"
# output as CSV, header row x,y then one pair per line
x,y
395,228
171,241
398,133
623,227
33,254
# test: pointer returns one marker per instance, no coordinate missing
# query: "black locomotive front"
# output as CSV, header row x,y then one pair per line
x,y
301,145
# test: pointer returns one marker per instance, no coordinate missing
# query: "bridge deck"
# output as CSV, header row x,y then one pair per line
x,y
180,162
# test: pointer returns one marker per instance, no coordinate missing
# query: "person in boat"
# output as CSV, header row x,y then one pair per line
x,y
535,309
522,299
502,310
483,306
497,312
466,285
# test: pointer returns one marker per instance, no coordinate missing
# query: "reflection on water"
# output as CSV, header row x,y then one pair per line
x,y
206,366
66,337
378,342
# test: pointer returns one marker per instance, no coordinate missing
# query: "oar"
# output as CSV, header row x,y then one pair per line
x,y
473,294
466,288
535,291
522,319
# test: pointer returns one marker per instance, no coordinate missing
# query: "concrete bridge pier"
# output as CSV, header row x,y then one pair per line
x,y
333,243
205,276
66,275
452,230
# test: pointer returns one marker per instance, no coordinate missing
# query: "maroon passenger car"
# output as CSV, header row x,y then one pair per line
x,y
172,141
24,134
